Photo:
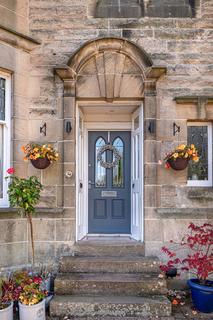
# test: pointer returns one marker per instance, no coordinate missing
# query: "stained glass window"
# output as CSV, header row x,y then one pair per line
x,y
118,175
100,172
200,136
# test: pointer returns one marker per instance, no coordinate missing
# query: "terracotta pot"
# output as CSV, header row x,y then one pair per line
x,y
178,164
41,163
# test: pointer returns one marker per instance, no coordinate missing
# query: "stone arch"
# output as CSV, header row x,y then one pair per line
x,y
109,68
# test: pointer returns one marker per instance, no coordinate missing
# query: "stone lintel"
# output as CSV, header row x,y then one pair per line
x,y
17,40
199,101
192,99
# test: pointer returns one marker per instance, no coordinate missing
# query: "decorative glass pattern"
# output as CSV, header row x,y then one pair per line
x,y
2,98
100,172
198,135
118,175
1,161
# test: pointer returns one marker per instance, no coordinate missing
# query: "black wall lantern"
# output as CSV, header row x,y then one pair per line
x,y
68,126
151,126
176,129
43,129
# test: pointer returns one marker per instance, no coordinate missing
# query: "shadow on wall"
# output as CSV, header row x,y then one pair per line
x,y
140,8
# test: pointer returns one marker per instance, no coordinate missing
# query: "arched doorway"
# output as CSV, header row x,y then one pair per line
x,y
107,81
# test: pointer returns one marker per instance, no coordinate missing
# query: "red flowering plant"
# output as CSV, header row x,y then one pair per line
x,y
199,257
23,285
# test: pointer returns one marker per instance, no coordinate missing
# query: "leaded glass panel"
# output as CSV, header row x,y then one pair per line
x,y
198,135
100,172
2,99
1,161
118,175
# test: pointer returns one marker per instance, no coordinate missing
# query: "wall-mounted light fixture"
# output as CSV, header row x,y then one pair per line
x,y
151,126
43,129
176,129
68,126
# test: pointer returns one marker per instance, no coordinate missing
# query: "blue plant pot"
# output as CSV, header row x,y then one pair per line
x,y
202,296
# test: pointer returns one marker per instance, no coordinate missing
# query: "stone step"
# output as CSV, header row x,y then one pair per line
x,y
105,307
108,247
109,283
109,264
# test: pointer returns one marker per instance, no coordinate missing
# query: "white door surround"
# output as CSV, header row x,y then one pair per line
x,y
117,116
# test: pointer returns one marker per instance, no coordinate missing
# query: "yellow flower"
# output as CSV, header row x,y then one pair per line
x,y
186,155
175,155
195,159
182,147
192,146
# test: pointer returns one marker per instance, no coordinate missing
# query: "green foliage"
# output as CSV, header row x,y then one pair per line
x,y
24,194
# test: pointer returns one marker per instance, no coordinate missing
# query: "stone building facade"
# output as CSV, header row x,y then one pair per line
x,y
101,61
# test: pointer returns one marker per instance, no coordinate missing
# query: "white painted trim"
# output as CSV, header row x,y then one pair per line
x,y
105,126
138,232
4,202
99,126
204,183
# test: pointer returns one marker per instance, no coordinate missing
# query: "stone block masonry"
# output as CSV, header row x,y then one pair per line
x,y
182,45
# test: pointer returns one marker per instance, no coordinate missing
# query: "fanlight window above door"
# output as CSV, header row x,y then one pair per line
x,y
118,174
100,172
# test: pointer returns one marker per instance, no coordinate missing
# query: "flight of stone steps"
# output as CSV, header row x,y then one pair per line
x,y
109,280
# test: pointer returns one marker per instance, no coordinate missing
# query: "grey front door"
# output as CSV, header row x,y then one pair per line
x,y
109,188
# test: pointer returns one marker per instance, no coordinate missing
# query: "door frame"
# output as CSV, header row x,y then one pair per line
x,y
82,230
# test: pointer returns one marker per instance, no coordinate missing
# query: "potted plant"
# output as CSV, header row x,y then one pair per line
x,y
6,310
32,302
198,260
40,155
24,194
178,159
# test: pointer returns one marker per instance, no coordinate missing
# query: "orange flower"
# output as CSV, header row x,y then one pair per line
x,y
175,302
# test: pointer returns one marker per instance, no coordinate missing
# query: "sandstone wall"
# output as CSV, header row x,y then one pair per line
x,y
14,15
183,46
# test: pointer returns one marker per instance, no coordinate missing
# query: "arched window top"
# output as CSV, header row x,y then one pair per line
x,y
100,142
118,143
100,172
118,171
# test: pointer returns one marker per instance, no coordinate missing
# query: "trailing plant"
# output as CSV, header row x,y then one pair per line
x,y
34,151
188,152
24,194
199,254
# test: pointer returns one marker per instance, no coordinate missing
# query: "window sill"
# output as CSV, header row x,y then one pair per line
x,y
185,213
200,193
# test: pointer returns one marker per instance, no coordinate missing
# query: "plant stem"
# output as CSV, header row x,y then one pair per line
x,y
29,217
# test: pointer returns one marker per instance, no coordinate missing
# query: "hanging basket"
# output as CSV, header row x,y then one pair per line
x,y
178,164
41,163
